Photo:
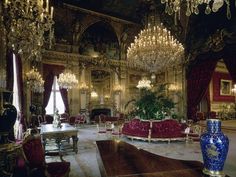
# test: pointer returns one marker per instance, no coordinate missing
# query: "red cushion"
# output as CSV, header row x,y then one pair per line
x,y
58,169
34,152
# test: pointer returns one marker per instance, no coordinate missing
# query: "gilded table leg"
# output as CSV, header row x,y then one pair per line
x,y
75,141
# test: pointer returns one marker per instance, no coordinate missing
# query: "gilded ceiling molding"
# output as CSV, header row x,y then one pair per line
x,y
215,42
75,59
104,16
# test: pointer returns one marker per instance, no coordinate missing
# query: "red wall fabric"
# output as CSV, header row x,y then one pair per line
x,y
217,76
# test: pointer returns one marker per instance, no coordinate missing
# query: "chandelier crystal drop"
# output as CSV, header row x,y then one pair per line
x,y
154,49
35,81
26,23
67,80
144,84
192,6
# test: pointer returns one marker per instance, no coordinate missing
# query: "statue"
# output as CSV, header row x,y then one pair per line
x,y
56,120
76,33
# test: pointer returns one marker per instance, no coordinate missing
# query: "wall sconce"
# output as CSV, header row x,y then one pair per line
x,y
83,87
94,94
117,88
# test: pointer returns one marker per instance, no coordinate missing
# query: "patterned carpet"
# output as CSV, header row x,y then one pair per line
x,y
84,164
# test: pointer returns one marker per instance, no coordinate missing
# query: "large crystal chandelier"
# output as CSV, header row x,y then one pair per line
x,y
174,6
67,80
34,81
154,49
27,22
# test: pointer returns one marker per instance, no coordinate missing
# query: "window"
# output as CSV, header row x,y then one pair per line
x,y
15,101
55,100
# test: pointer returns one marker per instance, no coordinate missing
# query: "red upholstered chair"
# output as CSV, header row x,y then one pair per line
x,y
64,117
80,119
200,116
35,159
48,119
72,120
212,115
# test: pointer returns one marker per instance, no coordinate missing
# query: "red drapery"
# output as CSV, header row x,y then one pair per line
x,y
230,62
198,80
9,71
48,81
49,71
64,95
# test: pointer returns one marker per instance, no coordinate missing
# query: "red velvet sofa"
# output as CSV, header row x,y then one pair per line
x,y
152,130
137,129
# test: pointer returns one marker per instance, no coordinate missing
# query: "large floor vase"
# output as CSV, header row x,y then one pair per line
x,y
214,146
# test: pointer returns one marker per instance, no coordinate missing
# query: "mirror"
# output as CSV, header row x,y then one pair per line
x,y
100,86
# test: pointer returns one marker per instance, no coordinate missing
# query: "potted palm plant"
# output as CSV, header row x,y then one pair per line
x,y
152,104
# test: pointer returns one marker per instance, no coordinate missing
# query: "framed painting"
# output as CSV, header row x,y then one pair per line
x,y
225,87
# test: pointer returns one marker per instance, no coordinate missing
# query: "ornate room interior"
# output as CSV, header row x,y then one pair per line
x,y
108,62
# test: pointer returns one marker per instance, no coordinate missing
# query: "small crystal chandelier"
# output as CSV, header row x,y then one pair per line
x,y
144,84
34,81
174,6
26,22
67,80
154,49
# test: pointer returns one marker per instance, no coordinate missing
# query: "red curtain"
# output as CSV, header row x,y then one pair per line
x,y
9,71
230,62
198,80
64,95
49,71
48,78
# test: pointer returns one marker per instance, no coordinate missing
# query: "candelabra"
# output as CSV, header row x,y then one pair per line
x,y
67,80
27,22
154,49
34,81
192,6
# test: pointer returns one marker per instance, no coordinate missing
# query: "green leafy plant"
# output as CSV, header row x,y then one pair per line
x,y
152,104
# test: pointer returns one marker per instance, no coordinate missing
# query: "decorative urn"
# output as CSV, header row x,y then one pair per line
x,y
214,146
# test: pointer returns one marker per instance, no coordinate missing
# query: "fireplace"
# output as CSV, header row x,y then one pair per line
x,y
98,111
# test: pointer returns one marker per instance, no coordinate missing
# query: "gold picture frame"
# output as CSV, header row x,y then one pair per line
x,y
225,87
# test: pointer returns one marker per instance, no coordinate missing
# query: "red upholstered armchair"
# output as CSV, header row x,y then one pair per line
x,y
35,158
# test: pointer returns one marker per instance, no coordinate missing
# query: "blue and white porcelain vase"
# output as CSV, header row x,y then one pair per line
x,y
214,146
